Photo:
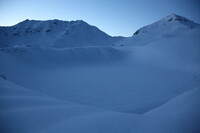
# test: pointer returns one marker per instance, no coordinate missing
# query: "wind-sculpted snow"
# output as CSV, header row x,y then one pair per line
x,y
27,111
180,114
146,83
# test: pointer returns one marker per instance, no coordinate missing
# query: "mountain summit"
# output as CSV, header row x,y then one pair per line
x,y
168,27
168,23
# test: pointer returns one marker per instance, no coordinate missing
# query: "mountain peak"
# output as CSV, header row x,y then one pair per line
x,y
54,21
55,33
175,17
168,23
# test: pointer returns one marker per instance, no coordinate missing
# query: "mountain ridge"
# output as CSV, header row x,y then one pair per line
x,y
61,34
54,33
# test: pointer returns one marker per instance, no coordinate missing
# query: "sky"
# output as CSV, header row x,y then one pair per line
x,y
115,17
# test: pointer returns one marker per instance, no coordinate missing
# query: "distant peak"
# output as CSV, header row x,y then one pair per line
x,y
167,23
78,22
26,20
55,21
175,17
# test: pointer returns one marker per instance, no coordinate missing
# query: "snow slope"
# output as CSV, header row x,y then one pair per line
x,y
27,111
151,84
180,114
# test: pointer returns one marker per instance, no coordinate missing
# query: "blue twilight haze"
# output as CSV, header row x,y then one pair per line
x,y
115,17
64,76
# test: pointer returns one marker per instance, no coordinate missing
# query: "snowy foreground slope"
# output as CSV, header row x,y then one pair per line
x,y
149,82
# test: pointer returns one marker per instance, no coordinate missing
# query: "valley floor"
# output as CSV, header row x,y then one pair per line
x,y
118,89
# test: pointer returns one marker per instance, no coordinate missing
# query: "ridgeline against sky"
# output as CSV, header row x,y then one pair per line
x,y
115,17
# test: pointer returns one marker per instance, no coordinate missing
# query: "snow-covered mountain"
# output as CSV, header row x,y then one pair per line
x,y
54,33
149,82
168,27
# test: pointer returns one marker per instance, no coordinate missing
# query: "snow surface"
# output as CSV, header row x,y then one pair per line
x,y
149,82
